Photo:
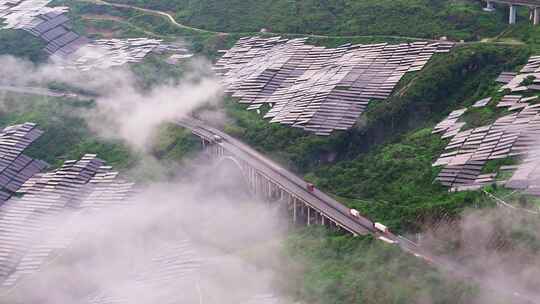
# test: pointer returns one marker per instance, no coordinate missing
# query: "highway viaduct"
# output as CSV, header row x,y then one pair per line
x,y
533,5
269,180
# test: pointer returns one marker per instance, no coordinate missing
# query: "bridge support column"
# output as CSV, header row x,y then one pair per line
x,y
536,17
308,216
489,6
294,211
513,14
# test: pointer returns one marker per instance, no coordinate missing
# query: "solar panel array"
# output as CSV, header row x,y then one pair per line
x,y
15,167
67,47
23,14
106,53
29,227
514,81
526,175
47,23
509,136
482,103
315,88
450,125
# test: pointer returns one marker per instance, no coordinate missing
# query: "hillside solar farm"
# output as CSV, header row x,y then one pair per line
x,y
318,89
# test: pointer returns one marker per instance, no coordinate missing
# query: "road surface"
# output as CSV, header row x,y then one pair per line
x,y
34,91
293,184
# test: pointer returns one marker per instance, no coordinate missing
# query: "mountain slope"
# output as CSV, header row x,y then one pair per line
x,y
418,18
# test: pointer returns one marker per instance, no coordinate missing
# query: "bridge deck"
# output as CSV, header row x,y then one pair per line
x,y
519,2
296,186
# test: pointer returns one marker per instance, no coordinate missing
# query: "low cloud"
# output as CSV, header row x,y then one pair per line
x,y
177,242
123,111
498,248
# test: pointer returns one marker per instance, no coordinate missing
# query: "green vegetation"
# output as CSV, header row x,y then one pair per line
x,y
523,32
153,70
104,21
174,144
342,269
394,184
21,44
67,135
416,18
295,148
460,78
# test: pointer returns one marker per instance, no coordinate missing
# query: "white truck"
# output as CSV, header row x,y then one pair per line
x,y
217,138
382,228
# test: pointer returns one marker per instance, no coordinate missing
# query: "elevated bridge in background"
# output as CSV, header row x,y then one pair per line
x,y
533,5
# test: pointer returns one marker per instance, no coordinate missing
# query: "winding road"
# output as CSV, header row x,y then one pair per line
x,y
172,20
154,12
195,29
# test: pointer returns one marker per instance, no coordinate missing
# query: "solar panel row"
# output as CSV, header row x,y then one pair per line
x,y
450,125
50,24
21,14
70,191
316,88
15,167
512,135
66,46
106,53
515,81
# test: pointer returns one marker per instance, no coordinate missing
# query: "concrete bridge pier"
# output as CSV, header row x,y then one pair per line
x,y
536,16
513,14
490,7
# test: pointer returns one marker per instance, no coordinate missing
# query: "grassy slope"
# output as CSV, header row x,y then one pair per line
x,y
424,18
342,269
67,136
21,44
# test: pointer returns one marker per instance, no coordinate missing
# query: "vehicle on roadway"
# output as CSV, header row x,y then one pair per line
x,y
310,187
354,213
382,228
387,240
217,138
425,258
